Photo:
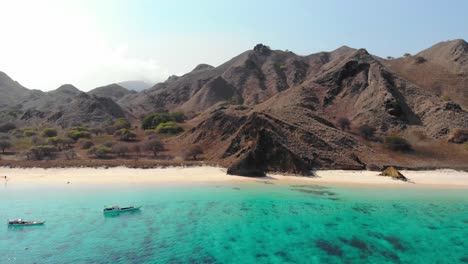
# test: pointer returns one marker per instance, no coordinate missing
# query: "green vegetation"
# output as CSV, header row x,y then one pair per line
x,y
396,143
169,128
125,134
86,144
152,121
445,98
56,141
76,133
40,152
49,132
28,132
100,152
122,123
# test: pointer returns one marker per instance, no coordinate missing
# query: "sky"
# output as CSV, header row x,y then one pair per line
x,y
91,43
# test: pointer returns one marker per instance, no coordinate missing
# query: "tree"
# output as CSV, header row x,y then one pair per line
x,y
395,143
96,131
100,152
4,144
344,123
169,128
29,132
136,148
125,134
262,49
86,144
56,141
122,123
49,132
155,146
76,133
70,154
7,127
41,151
407,55
366,131
194,151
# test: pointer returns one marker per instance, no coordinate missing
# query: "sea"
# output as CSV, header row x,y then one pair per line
x,y
244,222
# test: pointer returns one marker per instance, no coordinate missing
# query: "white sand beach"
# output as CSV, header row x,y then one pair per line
x,y
434,178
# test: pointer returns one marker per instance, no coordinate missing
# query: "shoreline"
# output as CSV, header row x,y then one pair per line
x,y
445,178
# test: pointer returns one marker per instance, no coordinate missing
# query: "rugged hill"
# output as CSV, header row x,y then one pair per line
x,y
442,69
294,130
65,106
249,78
273,110
137,86
113,91
12,92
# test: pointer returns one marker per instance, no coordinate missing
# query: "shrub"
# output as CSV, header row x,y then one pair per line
x,y
459,136
109,144
193,152
77,134
445,98
7,127
40,152
153,120
178,117
56,141
344,123
5,144
49,132
4,137
419,60
154,146
407,55
122,123
169,128
100,152
395,143
86,144
29,132
125,134
367,132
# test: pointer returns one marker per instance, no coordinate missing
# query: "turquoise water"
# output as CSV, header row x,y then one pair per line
x,y
235,223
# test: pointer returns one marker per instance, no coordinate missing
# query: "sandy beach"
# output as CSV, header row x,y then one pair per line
x,y
434,178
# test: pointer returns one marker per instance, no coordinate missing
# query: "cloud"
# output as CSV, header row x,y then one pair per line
x,y
49,43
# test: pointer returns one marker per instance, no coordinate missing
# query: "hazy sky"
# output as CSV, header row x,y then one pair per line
x,y
91,43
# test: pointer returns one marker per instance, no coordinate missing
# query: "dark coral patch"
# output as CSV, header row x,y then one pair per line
x,y
329,248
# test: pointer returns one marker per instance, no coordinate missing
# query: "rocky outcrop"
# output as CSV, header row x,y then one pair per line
x,y
394,173
268,155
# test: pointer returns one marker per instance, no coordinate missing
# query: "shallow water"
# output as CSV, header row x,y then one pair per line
x,y
235,223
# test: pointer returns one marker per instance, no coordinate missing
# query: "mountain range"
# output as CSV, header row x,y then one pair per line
x,y
275,110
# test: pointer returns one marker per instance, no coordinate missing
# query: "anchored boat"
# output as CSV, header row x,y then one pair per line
x,y
118,209
21,222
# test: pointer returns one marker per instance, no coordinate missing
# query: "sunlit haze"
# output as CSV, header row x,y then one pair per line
x,y
92,43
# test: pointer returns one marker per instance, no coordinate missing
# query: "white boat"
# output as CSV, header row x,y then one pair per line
x,y
118,209
21,222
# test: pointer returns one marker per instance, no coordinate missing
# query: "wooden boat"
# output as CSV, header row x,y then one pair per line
x,y
118,209
21,222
